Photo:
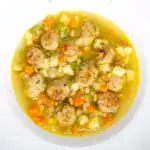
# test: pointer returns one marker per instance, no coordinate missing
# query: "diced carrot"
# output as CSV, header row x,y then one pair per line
x,y
29,69
84,52
78,101
108,120
62,59
90,109
43,99
36,39
36,119
74,22
52,103
74,130
49,22
103,88
34,111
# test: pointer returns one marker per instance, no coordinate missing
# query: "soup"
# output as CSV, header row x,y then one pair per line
x,y
75,74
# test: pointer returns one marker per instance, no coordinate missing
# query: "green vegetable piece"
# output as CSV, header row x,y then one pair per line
x,y
64,31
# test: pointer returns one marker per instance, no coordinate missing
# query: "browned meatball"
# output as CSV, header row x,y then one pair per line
x,y
88,32
66,115
87,75
59,90
106,53
88,29
108,102
49,40
35,85
115,83
34,56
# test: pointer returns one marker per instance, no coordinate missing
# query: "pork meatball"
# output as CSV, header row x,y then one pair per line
x,y
59,90
50,40
66,115
87,75
35,56
88,32
108,102
115,83
35,85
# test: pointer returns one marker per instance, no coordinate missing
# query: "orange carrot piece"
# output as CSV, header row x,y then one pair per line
x,y
74,130
74,22
90,109
108,120
78,101
84,52
34,111
103,88
29,69
49,22
52,103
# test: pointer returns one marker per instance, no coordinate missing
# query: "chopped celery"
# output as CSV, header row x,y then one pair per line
x,y
74,65
95,97
83,120
88,97
64,31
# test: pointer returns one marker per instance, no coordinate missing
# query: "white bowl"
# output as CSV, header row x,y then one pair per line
x,y
104,8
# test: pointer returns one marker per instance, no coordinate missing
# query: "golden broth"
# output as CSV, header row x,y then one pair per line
x,y
109,31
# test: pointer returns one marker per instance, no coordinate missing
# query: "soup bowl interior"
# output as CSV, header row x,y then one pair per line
x,y
126,24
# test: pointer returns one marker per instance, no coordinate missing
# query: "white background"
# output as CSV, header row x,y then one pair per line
x,y
13,21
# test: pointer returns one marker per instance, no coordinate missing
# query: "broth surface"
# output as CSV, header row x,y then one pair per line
x,y
75,73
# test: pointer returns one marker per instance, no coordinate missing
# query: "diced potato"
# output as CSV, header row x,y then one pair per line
x,y
130,75
83,120
68,70
128,50
79,112
54,61
18,67
121,51
52,121
105,68
87,90
94,123
119,71
74,87
28,38
96,86
65,19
